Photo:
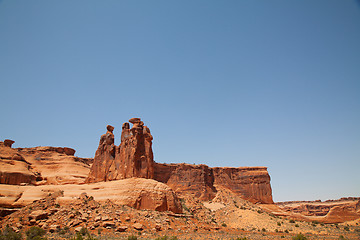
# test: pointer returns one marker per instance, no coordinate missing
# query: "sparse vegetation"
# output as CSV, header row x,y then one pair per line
x,y
296,225
224,225
166,238
292,221
35,233
341,237
278,223
132,237
299,237
346,228
241,238
9,234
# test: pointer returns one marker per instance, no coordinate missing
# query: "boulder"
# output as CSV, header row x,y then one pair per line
x,y
138,226
121,228
39,215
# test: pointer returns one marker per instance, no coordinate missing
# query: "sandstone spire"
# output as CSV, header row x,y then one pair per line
x,y
133,158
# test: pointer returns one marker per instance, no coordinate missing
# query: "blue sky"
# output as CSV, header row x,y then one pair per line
x,y
223,83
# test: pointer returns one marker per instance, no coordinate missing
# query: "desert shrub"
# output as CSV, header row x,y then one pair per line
x,y
299,237
83,231
287,231
224,225
292,221
166,238
80,237
341,237
132,237
346,228
264,230
296,225
9,234
35,233
259,211
278,223
241,238
276,230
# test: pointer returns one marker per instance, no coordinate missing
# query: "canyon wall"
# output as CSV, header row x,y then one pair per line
x,y
200,181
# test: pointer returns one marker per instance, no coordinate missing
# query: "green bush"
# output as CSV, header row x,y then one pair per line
x,y
292,221
83,231
341,237
166,238
299,237
224,225
241,238
296,225
80,237
35,233
9,234
346,228
278,223
132,237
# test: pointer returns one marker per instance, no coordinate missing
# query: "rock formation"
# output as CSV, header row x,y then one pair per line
x,y
251,183
133,158
41,165
138,193
200,181
8,142
331,211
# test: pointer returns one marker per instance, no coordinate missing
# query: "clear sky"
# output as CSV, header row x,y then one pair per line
x,y
223,83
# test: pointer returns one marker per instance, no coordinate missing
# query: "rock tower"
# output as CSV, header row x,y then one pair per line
x,y
133,158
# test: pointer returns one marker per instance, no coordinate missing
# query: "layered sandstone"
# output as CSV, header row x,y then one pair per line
x,y
331,211
138,193
251,183
14,169
200,181
194,180
41,165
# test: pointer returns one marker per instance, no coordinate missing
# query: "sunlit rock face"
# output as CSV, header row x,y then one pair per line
x,y
133,158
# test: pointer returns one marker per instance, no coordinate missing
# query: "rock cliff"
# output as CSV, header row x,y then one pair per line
x,y
200,181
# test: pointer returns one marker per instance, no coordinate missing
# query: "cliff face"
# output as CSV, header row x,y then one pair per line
x,y
251,183
200,181
194,180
